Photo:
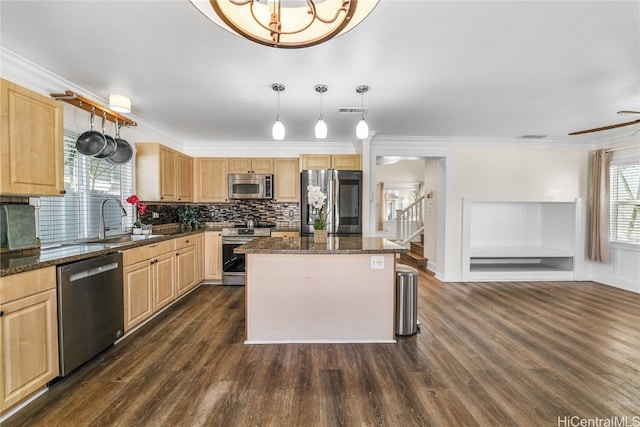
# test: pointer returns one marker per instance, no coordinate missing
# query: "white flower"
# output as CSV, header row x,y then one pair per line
x,y
315,196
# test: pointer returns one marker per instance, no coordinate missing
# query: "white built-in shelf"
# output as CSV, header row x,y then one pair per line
x,y
520,240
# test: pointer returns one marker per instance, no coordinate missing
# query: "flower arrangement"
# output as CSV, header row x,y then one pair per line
x,y
316,200
140,208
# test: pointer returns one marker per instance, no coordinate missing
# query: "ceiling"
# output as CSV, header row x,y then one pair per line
x,y
499,69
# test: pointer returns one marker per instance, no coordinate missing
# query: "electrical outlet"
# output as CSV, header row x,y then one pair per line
x,y
155,215
377,262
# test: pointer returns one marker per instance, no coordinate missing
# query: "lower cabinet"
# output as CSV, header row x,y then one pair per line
x,y
185,269
199,258
29,334
213,255
285,234
149,284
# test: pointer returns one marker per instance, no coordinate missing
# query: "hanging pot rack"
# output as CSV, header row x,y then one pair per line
x,y
87,105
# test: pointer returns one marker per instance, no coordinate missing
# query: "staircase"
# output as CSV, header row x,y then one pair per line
x,y
414,257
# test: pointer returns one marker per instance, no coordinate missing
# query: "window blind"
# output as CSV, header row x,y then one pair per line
x,y
87,182
625,201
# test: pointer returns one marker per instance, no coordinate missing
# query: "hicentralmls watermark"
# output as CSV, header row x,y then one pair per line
x,y
612,421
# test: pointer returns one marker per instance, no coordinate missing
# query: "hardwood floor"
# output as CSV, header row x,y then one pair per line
x,y
488,354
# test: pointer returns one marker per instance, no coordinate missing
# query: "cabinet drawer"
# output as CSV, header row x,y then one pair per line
x,y
132,256
183,242
22,285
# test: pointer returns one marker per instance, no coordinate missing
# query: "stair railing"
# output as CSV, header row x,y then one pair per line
x,y
409,222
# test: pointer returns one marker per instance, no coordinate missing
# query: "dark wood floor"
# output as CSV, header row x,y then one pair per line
x,y
488,354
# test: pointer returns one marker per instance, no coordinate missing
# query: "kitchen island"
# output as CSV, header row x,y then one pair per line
x,y
301,291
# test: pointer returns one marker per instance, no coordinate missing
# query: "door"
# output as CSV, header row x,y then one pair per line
x,y
138,293
164,289
348,201
185,269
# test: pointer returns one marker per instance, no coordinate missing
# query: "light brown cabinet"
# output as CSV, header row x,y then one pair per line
x,y
31,139
328,161
199,258
286,176
251,165
211,179
29,334
163,174
285,234
149,281
185,264
213,255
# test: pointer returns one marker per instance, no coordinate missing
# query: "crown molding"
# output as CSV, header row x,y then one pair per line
x,y
460,141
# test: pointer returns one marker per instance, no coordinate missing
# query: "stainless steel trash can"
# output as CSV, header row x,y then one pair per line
x,y
406,300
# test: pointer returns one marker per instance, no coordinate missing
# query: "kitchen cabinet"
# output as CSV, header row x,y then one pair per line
x,y
163,174
328,161
211,179
199,257
213,255
249,165
185,264
31,139
29,337
149,281
286,176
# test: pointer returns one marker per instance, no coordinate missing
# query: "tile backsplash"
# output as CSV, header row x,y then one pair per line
x,y
264,212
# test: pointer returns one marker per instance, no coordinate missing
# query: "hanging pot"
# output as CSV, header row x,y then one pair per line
x,y
91,142
123,152
111,143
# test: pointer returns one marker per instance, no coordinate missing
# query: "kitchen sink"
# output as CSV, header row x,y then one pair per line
x,y
124,238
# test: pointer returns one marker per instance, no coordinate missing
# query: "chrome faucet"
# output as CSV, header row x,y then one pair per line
x,y
102,230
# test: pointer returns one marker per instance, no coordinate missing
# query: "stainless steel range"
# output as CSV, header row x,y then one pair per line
x,y
233,264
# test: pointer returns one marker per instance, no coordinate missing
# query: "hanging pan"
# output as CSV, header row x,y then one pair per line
x,y
124,151
91,142
111,143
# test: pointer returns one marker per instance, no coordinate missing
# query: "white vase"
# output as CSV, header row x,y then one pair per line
x,y
137,230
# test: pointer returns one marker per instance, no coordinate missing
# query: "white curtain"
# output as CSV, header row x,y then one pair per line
x,y
599,227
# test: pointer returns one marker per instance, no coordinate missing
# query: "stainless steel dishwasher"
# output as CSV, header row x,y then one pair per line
x,y
90,308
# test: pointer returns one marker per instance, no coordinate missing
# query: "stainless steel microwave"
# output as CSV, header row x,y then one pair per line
x,y
250,186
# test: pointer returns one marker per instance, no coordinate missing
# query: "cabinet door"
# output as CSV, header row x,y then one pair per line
x,y
286,178
346,162
316,161
164,284
211,179
199,258
29,350
264,165
185,269
168,177
239,165
285,234
138,293
31,141
185,178
213,256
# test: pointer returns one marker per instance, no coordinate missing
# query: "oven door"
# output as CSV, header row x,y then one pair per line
x,y
232,264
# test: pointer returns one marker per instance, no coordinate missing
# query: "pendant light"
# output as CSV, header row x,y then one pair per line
x,y
362,129
321,126
278,127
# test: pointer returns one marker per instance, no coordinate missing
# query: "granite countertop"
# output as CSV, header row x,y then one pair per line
x,y
306,245
72,252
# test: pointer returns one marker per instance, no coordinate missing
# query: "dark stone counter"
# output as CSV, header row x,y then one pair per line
x,y
306,245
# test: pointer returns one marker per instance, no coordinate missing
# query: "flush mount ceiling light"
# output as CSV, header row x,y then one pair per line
x,y
321,126
278,127
120,103
286,23
362,129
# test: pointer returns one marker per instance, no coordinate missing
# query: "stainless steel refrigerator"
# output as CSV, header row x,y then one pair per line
x,y
343,205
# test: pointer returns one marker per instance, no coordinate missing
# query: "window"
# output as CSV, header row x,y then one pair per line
x,y
398,196
87,182
625,201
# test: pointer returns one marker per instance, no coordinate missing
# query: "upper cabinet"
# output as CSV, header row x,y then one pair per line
x,y
211,179
328,161
248,165
31,139
163,174
286,176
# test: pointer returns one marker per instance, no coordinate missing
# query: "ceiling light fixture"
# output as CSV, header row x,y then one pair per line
x,y
278,127
321,126
120,103
286,23
362,129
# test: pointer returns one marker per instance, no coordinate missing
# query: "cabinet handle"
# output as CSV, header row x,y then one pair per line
x,y
1,313
177,253
63,192
186,241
